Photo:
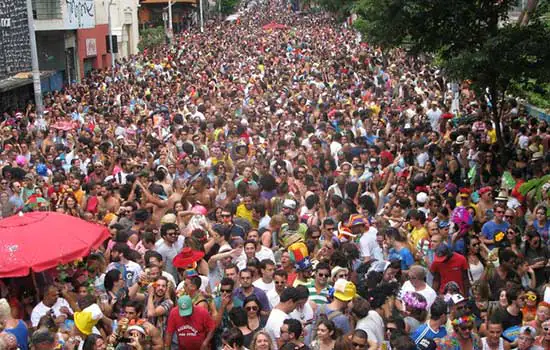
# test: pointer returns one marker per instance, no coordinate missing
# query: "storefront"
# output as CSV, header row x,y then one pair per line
x,y
92,48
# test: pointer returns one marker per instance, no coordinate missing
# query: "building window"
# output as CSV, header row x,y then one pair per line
x,y
46,9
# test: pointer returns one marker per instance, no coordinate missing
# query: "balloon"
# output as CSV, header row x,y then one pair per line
x,y
20,160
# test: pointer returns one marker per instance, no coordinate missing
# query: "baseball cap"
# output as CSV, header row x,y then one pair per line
x,y
344,290
290,204
185,305
444,223
455,299
426,344
528,330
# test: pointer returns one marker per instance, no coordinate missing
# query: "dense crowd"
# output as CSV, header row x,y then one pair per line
x,y
276,183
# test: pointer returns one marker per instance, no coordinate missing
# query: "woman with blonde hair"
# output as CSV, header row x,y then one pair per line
x,y
261,341
13,326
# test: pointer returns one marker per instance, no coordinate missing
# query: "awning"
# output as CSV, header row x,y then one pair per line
x,y
166,1
21,79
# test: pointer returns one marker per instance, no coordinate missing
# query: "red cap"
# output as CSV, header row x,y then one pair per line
x,y
484,190
465,190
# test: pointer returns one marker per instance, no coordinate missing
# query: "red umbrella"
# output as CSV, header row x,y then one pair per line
x,y
273,25
38,241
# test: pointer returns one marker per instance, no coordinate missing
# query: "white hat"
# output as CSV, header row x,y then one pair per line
x,y
460,140
290,204
421,197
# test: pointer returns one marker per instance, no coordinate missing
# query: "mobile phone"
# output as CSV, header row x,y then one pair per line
x,y
124,340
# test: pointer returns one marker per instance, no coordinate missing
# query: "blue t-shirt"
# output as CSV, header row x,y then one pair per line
x,y
404,255
425,332
491,228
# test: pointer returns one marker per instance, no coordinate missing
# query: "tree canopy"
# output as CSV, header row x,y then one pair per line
x,y
473,40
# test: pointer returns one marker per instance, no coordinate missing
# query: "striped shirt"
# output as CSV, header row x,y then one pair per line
x,y
317,298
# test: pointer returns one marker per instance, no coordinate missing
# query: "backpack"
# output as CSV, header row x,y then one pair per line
x,y
322,311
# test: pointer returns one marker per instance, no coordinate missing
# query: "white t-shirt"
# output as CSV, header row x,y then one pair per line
x,y
132,271
266,287
273,298
41,310
304,315
428,292
367,242
274,323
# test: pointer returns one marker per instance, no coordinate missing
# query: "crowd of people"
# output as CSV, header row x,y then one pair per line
x,y
275,183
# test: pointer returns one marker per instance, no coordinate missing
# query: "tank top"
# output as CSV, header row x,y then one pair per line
x,y
487,347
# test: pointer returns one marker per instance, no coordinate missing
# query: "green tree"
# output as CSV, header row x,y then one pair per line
x,y
229,6
151,37
472,39
341,8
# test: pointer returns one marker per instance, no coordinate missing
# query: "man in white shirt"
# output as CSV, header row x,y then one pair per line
x,y
51,303
434,115
417,283
119,260
280,281
289,298
267,269
170,244
367,243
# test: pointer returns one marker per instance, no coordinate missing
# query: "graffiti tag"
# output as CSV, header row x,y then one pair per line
x,y
81,13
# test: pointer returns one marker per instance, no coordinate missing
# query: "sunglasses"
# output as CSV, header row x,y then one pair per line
x,y
466,327
251,308
226,290
323,274
225,215
315,237
509,216
358,345
531,297
343,276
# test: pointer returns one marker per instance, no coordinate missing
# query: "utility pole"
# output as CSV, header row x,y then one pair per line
x,y
202,24
111,35
34,62
170,17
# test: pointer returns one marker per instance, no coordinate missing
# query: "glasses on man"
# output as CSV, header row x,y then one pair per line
x,y
226,291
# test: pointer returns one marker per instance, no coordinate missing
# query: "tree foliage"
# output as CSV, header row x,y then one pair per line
x,y
151,37
341,8
229,6
473,39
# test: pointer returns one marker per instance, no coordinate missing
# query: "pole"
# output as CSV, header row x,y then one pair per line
x,y
170,16
111,36
200,8
220,9
34,62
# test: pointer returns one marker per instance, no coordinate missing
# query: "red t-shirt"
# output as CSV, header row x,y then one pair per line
x,y
191,330
450,270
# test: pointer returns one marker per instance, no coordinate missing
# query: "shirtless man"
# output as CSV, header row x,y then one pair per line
x,y
107,201
160,207
201,193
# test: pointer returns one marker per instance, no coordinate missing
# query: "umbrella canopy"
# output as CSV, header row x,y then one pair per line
x,y
42,240
273,25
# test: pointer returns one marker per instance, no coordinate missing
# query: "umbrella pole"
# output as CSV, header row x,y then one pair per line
x,y
35,284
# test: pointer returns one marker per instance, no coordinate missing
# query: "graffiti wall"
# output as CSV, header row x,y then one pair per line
x,y
79,14
15,51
